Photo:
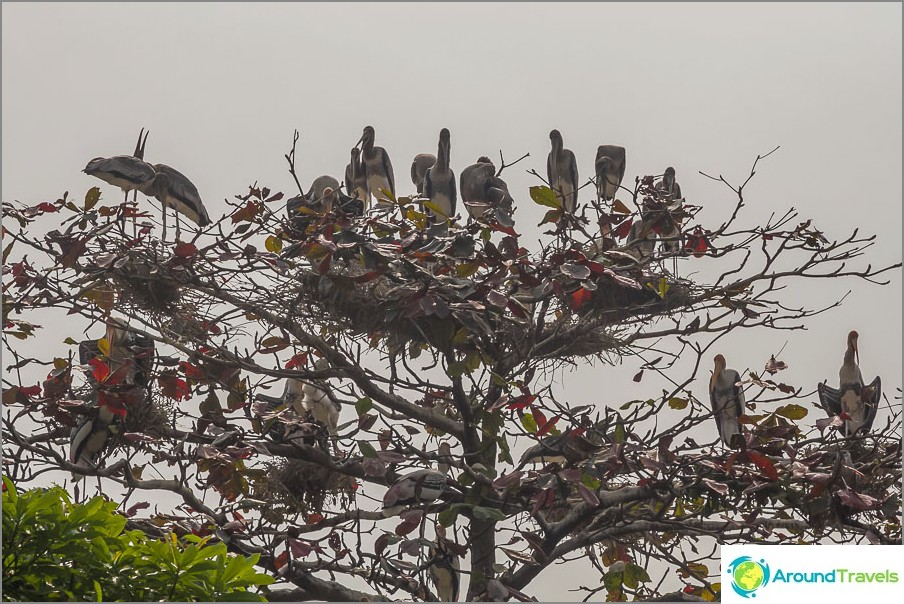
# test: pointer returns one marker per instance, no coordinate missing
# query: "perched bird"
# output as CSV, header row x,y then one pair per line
x,y
572,447
310,397
419,167
444,568
420,486
858,400
439,182
610,170
355,178
481,190
174,190
641,241
670,192
727,399
319,186
562,170
668,187
445,456
128,172
90,436
377,168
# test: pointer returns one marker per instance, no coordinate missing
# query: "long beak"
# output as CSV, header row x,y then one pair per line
x,y
360,140
857,352
138,150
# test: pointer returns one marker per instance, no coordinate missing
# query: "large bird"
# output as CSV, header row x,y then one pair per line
x,y
670,192
562,170
610,170
439,182
419,167
128,172
377,168
855,398
313,397
445,569
355,178
481,190
174,190
727,398
420,486
572,447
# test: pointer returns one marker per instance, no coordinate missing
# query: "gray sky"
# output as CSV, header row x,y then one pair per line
x,y
696,86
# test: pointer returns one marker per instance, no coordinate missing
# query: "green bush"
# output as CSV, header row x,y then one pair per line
x,y
56,550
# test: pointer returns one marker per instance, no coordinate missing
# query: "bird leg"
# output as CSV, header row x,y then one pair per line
x,y
163,205
176,214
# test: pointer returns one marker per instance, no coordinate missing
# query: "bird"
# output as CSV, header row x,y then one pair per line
x,y
439,182
128,172
571,447
445,457
641,241
727,399
377,168
853,397
355,178
610,170
319,186
420,486
90,436
310,397
670,192
444,568
562,170
419,167
174,190
481,190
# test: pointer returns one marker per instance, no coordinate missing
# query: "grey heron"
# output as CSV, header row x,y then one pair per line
x,y
562,170
128,172
610,170
482,190
174,190
727,398
419,167
439,182
355,178
853,397
377,168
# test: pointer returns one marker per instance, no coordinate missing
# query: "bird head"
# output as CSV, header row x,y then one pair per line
x,y
556,137
852,345
719,367
669,177
367,138
327,203
444,143
139,146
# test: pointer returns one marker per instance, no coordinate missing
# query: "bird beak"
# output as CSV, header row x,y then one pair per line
x,y
360,140
857,352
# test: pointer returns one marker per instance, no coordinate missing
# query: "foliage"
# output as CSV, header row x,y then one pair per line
x,y
54,549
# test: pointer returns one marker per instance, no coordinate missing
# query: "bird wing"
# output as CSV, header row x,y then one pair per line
x,y
349,180
454,194
872,404
573,173
549,174
387,167
428,184
414,177
829,398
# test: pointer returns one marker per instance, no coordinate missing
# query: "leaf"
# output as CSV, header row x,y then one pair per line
x,y
718,487
773,366
529,423
273,244
575,271
588,496
487,514
763,463
580,297
792,411
367,450
638,376
435,208
185,250
91,198
544,196
363,405
678,403
619,207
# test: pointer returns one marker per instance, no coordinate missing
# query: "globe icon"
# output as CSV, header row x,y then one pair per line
x,y
748,575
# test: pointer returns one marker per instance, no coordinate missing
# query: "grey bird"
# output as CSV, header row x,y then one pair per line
x,y
128,172
727,399
670,192
174,190
355,178
853,397
562,170
377,168
482,190
420,486
419,167
641,241
572,447
444,568
610,170
316,193
439,182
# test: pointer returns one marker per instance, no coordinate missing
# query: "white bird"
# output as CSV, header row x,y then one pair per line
x,y
481,190
419,167
377,168
855,398
420,486
444,568
174,190
309,397
641,241
355,178
727,399
610,170
562,170
128,172
439,182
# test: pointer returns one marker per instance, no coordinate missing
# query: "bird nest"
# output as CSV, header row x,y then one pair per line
x,y
295,485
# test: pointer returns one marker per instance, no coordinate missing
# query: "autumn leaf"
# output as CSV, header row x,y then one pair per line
x,y
580,297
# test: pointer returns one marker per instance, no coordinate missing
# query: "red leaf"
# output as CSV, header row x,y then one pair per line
x,y
185,250
143,505
30,390
546,426
281,560
315,518
623,229
298,360
46,206
579,297
521,402
763,463
191,371
174,387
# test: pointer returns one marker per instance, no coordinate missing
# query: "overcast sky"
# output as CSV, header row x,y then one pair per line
x,y
701,87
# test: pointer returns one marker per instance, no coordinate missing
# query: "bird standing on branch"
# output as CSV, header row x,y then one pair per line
x,y
419,166
377,168
562,170
727,398
355,178
174,190
128,172
859,401
610,170
439,183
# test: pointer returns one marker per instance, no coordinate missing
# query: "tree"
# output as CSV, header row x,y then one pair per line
x,y
431,337
56,550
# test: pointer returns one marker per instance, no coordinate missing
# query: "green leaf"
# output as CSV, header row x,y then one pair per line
x,y
487,514
544,196
678,403
363,405
367,449
273,244
792,411
92,197
619,436
529,423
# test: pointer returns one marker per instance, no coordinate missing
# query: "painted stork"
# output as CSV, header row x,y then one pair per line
x,y
855,398
641,241
562,170
311,397
128,172
610,170
445,457
570,447
444,568
420,486
319,187
670,192
377,168
422,162
174,190
355,178
482,190
727,399
439,182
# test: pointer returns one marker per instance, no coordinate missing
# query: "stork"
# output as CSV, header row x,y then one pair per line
x,y
610,170
377,168
482,190
355,178
174,190
310,397
319,186
128,172
853,397
572,447
670,192
641,241
419,167
444,568
439,182
727,398
562,170
420,486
